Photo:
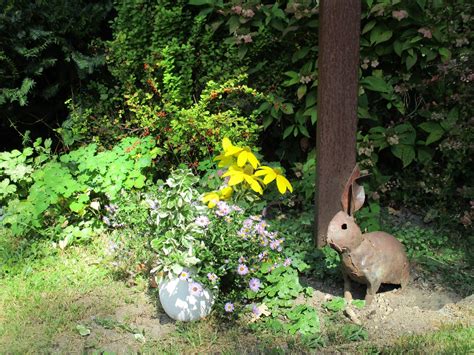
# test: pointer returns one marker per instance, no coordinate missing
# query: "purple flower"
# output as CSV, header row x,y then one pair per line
x,y
152,203
256,310
287,262
271,235
242,260
254,284
248,223
212,277
106,220
195,288
243,232
229,307
260,227
262,256
274,244
202,221
242,269
237,209
223,209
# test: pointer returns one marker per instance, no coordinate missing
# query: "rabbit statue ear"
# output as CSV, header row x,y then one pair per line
x,y
353,195
357,198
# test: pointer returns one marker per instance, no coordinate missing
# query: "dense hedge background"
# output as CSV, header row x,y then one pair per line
x,y
188,73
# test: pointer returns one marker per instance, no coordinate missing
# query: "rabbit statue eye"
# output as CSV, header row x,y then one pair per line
x,y
344,226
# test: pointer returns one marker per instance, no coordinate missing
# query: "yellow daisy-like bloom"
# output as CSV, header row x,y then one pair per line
x,y
231,152
211,198
226,193
271,174
238,175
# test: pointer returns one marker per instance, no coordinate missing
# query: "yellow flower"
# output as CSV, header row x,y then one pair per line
x,y
211,198
231,151
226,192
271,174
238,175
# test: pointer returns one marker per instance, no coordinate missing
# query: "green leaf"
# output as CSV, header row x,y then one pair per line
x,y
369,25
303,130
406,153
267,121
336,304
287,108
83,331
434,136
301,91
425,155
380,34
398,47
358,303
430,127
445,54
411,61
374,83
288,131
201,2
76,206
300,54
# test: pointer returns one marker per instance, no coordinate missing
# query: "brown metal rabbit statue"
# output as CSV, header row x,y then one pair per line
x,y
370,258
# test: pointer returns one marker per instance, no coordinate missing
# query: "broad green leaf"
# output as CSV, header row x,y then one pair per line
x,y
430,127
411,60
336,304
380,34
374,83
201,2
445,54
406,153
83,330
434,136
287,108
369,25
76,206
301,91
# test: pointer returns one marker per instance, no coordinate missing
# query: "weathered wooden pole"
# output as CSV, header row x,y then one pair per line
x,y
339,31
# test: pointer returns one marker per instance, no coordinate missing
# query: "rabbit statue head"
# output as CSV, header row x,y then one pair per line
x,y
344,234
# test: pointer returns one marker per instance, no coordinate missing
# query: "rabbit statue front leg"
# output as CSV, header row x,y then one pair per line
x,y
347,287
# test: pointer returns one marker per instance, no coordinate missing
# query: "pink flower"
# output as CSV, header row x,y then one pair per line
x,y
229,307
254,284
399,14
202,221
248,13
242,269
426,32
256,310
247,39
195,289
237,9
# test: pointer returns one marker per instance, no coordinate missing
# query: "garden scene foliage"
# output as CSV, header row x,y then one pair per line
x,y
144,140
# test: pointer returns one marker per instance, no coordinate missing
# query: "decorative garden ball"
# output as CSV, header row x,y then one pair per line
x,y
183,300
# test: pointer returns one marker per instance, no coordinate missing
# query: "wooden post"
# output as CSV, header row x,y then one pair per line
x,y
338,62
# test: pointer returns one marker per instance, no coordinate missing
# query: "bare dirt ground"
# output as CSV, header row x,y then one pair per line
x,y
421,307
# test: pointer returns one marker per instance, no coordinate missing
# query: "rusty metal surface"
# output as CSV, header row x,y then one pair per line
x,y
371,258
338,62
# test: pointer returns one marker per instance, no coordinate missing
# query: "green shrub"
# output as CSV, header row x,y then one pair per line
x,y
47,51
66,192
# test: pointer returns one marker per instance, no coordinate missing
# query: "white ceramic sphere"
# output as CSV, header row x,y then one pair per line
x,y
178,302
